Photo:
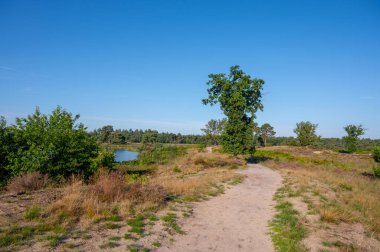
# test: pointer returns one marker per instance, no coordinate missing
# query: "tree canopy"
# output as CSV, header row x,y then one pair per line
x,y
213,130
265,132
239,97
353,134
305,132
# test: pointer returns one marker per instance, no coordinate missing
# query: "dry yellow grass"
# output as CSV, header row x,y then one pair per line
x,y
346,194
196,173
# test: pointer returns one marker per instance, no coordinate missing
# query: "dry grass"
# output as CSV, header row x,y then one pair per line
x,y
28,182
195,174
107,192
346,195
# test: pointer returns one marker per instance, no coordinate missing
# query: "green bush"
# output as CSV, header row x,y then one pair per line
x,y
54,144
105,159
376,154
376,170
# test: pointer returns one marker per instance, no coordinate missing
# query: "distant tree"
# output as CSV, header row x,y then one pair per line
x,y
265,132
239,97
105,134
305,132
150,136
353,134
117,137
213,130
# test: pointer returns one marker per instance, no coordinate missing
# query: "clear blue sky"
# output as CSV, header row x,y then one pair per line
x,y
144,64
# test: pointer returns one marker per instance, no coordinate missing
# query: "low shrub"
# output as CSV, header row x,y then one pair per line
x,y
105,159
109,186
139,193
376,154
376,170
28,182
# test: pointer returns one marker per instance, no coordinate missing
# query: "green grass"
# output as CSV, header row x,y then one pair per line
x,y
112,226
137,225
115,238
156,244
109,244
32,213
170,221
287,231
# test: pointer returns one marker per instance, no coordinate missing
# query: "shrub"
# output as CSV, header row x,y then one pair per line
x,y
32,213
28,182
376,154
109,186
54,144
376,170
139,193
105,159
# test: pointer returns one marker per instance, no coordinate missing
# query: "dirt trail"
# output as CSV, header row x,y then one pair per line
x,y
235,221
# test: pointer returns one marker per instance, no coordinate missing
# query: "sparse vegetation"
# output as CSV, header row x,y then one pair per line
x,y
334,186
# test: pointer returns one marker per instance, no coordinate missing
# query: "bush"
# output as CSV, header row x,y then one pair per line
x,y
376,154
105,159
52,144
28,182
376,171
109,186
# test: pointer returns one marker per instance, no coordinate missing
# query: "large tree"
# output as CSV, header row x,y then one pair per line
x,y
239,97
265,132
353,134
306,133
213,130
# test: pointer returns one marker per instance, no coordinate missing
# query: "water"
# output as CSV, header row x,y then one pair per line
x,y
125,155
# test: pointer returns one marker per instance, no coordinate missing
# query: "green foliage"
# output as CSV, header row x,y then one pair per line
x,y
32,213
213,131
353,134
150,136
107,135
52,144
137,225
7,146
376,170
376,154
265,132
239,97
105,159
306,133
159,154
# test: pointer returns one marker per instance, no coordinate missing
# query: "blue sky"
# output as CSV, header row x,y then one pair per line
x,y
144,64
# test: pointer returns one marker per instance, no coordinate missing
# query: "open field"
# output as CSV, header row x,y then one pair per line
x,y
335,198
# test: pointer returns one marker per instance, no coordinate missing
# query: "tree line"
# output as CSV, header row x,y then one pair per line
x,y
107,134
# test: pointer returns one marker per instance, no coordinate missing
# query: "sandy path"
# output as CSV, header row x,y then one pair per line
x,y
235,221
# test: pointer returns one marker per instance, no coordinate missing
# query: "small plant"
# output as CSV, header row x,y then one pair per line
x,y
115,238
28,182
170,221
156,244
113,226
32,213
176,169
376,170
137,224
109,245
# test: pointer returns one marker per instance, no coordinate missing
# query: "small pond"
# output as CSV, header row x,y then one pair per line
x,y
125,155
